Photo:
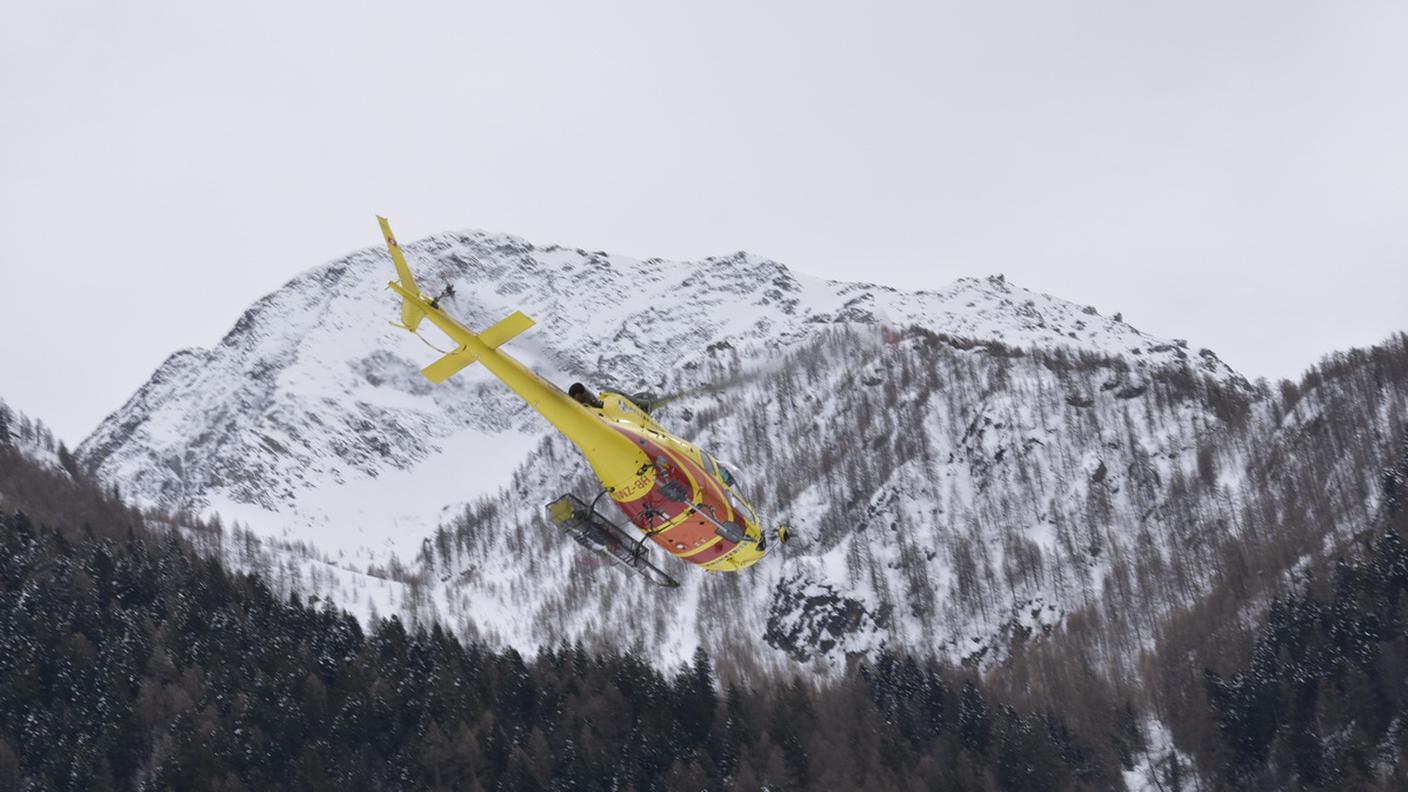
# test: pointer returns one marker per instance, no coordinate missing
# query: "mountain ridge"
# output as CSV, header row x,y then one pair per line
x,y
508,266
994,423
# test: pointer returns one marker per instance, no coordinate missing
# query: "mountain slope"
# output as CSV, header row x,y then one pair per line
x,y
311,401
129,661
952,492
32,438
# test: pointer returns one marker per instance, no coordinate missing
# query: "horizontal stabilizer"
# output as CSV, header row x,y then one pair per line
x,y
442,369
505,330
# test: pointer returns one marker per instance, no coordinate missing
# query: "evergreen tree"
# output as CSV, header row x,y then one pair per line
x,y
66,460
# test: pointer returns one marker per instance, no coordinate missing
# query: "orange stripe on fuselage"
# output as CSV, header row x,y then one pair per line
x,y
715,545
687,536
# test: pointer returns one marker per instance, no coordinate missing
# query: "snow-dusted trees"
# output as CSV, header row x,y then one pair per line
x,y
6,436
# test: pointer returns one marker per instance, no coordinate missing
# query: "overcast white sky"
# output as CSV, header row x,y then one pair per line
x,y
1231,172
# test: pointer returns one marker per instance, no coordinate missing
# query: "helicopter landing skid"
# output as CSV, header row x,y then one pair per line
x,y
590,530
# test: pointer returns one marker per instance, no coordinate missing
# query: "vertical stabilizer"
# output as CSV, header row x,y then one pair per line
x,y
411,314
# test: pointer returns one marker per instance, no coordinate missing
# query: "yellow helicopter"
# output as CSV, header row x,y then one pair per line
x,y
679,496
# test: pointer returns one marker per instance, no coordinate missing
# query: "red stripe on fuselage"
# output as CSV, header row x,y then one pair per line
x,y
654,509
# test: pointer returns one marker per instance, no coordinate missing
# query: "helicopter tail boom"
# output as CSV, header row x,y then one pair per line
x,y
493,338
416,305
614,457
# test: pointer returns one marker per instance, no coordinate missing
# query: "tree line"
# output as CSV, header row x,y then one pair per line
x,y
128,660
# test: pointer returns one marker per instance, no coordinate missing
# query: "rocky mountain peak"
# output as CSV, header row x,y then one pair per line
x,y
311,385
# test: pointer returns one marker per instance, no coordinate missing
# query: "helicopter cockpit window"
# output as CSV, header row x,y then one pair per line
x,y
739,502
726,476
720,470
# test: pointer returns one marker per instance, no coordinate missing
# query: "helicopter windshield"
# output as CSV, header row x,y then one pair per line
x,y
726,476
740,503
718,468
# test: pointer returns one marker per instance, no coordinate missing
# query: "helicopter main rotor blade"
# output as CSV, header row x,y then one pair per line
x,y
718,386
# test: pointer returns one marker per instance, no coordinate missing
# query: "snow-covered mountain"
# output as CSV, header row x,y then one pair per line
x,y
312,402
964,467
32,438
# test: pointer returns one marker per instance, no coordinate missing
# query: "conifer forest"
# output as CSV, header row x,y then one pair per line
x,y
131,657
